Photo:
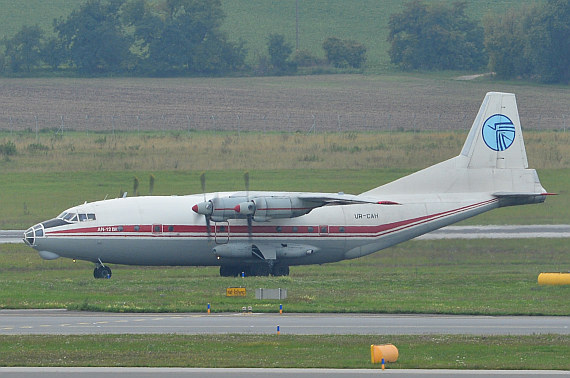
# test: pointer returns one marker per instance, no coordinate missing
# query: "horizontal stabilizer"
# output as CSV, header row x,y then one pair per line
x,y
519,198
509,194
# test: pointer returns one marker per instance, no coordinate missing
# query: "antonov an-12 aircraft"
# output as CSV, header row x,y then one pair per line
x,y
263,233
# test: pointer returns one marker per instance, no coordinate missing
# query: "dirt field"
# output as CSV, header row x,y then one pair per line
x,y
300,103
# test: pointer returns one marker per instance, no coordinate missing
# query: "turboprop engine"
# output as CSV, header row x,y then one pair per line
x,y
261,209
266,208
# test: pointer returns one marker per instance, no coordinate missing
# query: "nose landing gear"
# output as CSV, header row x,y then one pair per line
x,y
102,271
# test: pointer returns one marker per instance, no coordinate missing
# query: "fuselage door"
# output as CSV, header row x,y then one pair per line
x,y
221,232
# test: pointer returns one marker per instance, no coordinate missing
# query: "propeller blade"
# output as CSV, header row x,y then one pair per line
x,y
207,216
250,227
208,227
203,184
246,180
249,216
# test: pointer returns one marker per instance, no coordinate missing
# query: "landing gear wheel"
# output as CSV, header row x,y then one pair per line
x,y
280,270
102,272
230,271
260,270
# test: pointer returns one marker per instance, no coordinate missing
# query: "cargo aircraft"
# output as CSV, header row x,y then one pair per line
x,y
262,233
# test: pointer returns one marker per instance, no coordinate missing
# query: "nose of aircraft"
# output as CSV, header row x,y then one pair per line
x,y
32,233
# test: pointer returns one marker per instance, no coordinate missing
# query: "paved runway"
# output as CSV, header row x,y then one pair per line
x,y
499,232
26,322
281,373
450,232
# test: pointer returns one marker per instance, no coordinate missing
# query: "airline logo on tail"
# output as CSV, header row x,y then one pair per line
x,y
498,132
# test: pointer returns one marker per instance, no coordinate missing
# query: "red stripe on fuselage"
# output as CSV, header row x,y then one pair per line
x,y
199,231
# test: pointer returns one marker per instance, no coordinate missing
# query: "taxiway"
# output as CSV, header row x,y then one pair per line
x,y
61,322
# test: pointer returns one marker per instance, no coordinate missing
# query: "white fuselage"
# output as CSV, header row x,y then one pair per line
x,y
165,231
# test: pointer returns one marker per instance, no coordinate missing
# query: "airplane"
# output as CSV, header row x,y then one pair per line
x,y
262,233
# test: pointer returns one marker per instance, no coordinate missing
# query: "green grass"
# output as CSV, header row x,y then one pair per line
x,y
51,174
34,197
448,276
286,351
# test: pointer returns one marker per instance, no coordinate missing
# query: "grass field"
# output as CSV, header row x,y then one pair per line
x,y
252,21
82,167
447,277
285,351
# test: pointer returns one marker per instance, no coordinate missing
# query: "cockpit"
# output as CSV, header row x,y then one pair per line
x,y
69,216
73,216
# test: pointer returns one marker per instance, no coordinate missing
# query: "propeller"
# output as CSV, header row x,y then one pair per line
x,y
208,207
249,216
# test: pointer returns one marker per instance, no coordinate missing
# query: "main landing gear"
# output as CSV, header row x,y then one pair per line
x,y
254,270
102,271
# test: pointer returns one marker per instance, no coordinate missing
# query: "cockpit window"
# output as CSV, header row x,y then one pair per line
x,y
75,217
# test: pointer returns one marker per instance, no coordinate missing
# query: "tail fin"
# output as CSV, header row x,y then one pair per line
x,y
495,139
493,160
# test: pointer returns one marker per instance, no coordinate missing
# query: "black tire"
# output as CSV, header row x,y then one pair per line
x,y
280,270
229,271
106,272
102,272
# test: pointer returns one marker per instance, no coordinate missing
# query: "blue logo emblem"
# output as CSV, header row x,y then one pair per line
x,y
498,132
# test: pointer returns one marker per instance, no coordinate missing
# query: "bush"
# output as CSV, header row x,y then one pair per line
x,y
8,149
37,147
342,52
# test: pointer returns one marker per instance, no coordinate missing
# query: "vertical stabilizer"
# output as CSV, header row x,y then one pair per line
x,y
493,158
495,139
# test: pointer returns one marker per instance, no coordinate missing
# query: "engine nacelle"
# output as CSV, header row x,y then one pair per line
x,y
219,209
267,208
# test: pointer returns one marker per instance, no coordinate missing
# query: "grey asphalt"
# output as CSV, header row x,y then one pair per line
x,y
499,232
61,322
281,373
450,232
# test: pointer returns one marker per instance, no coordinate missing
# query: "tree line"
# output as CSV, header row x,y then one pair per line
x,y
530,41
184,37
167,38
